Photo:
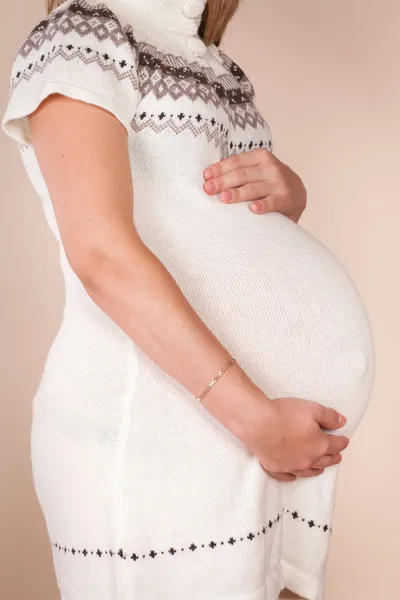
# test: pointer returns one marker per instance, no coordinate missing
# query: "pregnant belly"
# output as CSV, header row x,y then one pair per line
x,y
282,305
280,302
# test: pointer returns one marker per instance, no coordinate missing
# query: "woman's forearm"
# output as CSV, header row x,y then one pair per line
x,y
135,290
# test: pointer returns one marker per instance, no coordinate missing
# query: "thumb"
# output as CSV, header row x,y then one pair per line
x,y
329,418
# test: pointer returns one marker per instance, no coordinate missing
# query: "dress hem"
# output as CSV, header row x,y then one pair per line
x,y
300,583
259,594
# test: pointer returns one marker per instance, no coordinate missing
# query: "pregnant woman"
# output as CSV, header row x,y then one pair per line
x,y
206,353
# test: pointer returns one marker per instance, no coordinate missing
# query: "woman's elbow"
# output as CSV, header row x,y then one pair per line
x,y
95,267
101,265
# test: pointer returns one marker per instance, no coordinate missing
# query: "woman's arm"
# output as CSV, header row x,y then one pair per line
x,y
83,154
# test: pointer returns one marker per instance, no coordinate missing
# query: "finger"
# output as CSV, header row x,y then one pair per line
x,y
246,193
283,476
234,179
329,418
271,204
327,461
231,163
279,203
308,473
336,444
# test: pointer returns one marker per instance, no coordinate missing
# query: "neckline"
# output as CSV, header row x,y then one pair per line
x,y
168,20
181,17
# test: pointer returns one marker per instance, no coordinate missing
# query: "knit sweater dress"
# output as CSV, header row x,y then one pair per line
x,y
145,495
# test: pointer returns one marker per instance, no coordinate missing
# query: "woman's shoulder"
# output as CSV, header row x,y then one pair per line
x,y
82,50
83,21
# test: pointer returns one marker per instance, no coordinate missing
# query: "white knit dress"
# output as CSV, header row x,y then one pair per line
x,y
145,495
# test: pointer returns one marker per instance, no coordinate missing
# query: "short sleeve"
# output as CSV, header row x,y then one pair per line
x,y
81,51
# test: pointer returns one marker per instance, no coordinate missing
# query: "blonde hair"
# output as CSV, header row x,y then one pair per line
x,y
216,17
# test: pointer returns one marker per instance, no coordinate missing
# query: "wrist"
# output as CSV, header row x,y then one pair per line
x,y
253,418
237,402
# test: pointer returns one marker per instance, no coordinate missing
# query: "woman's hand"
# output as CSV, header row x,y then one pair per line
x,y
260,178
290,442
286,435
320,415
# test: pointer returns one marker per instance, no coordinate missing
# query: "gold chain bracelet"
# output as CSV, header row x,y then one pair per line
x,y
216,378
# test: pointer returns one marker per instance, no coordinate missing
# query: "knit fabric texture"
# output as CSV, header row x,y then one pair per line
x,y
145,495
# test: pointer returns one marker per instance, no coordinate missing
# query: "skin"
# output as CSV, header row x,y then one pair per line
x,y
83,154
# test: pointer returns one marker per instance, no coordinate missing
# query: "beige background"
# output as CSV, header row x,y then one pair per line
x,y
328,80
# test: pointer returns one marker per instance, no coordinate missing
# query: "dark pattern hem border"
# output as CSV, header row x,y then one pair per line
x,y
175,550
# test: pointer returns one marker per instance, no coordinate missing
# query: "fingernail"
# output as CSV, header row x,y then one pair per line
x,y
209,174
209,187
226,196
256,206
342,420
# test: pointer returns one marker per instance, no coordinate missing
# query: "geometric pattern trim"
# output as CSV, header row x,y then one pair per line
x,y
149,70
171,551
197,125
192,548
